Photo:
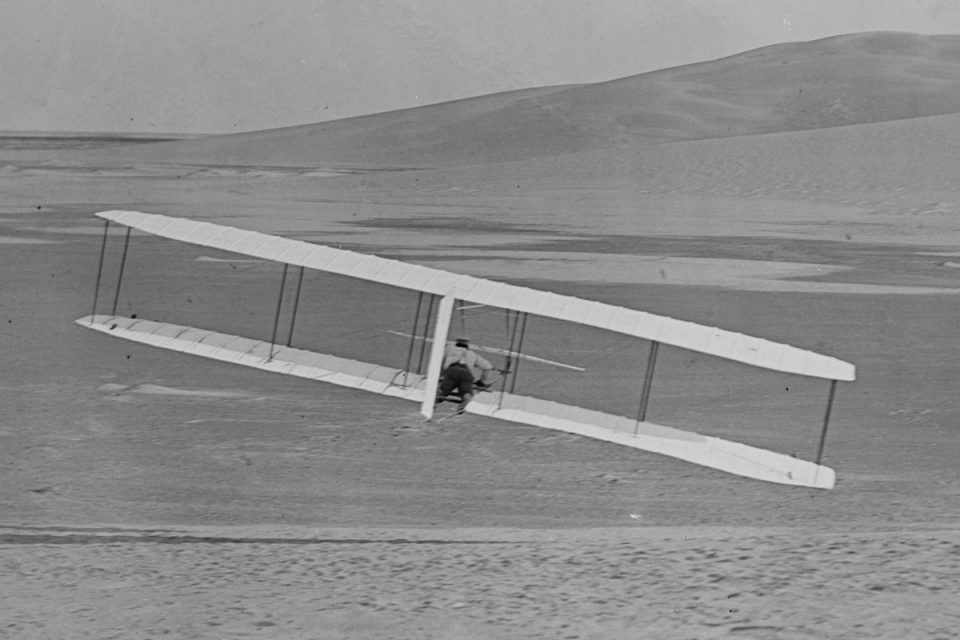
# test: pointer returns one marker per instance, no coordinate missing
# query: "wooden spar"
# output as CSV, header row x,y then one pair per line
x,y
440,331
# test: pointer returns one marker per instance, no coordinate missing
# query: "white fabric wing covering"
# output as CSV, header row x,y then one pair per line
x,y
687,335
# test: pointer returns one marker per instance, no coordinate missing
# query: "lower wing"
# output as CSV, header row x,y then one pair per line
x,y
708,451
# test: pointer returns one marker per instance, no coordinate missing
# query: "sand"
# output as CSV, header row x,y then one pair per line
x,y
145,494
481,584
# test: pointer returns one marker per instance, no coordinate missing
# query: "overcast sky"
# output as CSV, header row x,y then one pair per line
x,y
233,65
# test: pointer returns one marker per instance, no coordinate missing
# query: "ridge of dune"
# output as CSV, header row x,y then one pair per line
x,y
842,80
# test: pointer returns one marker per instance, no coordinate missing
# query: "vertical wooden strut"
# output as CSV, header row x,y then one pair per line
x,y
441,329
426,331
413,337
296,305
123,263
647,383
826,420
519,350
96,287
512,332
276,317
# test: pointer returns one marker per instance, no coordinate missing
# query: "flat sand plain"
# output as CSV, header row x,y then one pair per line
x,y
147,494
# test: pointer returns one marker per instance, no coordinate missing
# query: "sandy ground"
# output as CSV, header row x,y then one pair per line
x,y
486,584
147,494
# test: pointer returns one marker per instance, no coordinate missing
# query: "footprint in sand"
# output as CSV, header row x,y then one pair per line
x,y
162,390
419,429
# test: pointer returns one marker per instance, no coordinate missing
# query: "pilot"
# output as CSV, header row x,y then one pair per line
x,y
462,368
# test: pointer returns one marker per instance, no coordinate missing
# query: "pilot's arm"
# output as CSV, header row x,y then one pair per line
x,y
485,368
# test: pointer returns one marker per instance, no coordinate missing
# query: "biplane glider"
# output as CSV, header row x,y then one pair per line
x,y
443,289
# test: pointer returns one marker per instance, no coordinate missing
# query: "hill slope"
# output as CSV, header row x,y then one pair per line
x,y
837,81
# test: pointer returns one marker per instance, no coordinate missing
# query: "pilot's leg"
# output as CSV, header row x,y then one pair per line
x,y
447,383
465,387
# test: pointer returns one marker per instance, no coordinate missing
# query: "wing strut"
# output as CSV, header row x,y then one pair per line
x,y
103,251
296,305
123,264
647,383
413,337
513,349
426,331
826,419
508,361
440,331
276,317
523,332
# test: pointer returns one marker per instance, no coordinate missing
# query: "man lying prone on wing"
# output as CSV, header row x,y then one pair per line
x,y
462,369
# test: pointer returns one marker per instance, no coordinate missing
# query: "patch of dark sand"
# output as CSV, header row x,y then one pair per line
x,y
460,224
55,141
163,390
849,262
24,240
547,268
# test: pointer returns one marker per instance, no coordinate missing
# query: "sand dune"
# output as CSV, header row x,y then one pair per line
x,y
837,81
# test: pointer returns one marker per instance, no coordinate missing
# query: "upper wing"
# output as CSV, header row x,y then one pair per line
x,y
750,350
